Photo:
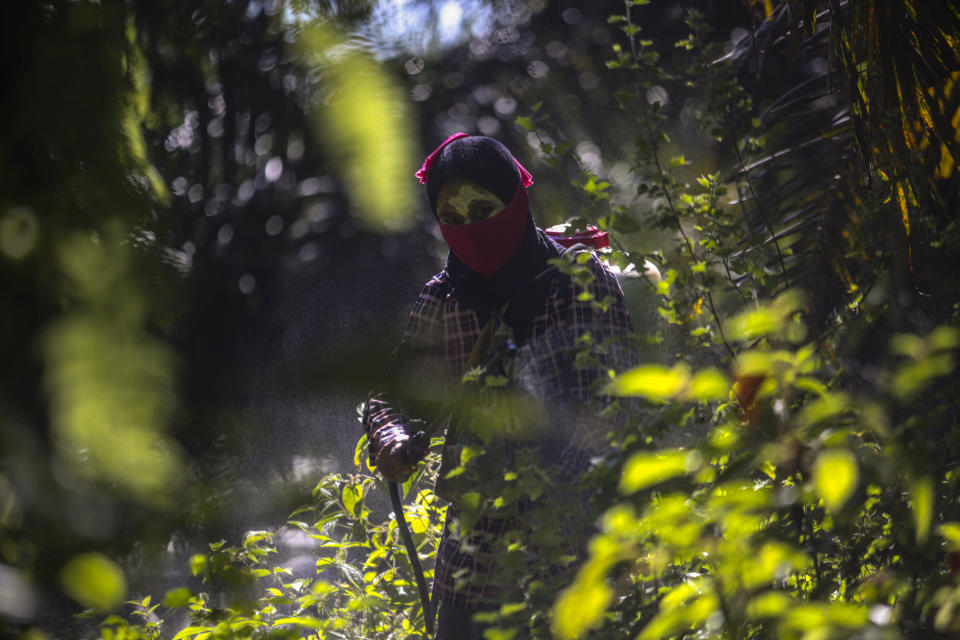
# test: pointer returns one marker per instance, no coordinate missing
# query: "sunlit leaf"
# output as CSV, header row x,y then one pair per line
x,y
825,407
753,363
950,531
835,477
352,495
300,621
177,597
770,562
191,632
580,608
645,469
365,119
651,381
361,449
94,581
198,564
770,319
943,338
922,502
915,375
527,123
708,385
770,604
684,607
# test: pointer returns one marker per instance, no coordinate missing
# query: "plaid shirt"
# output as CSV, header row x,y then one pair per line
x,y
573,345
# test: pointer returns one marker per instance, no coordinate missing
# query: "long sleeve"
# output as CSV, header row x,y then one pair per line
x,y
414,368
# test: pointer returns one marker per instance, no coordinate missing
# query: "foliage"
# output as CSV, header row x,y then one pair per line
x,y
157,153
791,467
818,501
361,587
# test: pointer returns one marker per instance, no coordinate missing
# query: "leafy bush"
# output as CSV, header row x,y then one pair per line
x,y
362,586
792,474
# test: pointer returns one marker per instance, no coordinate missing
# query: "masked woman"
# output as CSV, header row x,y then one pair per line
x,y
541,336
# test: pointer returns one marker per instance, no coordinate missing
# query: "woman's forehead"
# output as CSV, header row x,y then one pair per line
x,y
460,191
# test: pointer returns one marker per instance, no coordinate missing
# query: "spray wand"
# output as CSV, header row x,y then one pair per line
x,y
413,451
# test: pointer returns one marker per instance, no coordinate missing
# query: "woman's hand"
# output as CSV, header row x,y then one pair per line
x,y
392,461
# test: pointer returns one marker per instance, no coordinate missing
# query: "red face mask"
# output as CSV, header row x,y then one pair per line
x,y
486,246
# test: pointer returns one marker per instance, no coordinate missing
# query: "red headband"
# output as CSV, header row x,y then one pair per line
x,y
424,173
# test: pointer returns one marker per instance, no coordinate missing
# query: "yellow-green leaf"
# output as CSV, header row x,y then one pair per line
x,y
177,597
645,469
921,496
835,478
683,608
364,116
580,608
708,385
771,604
94,581
651,381
352,494
950,531
190,632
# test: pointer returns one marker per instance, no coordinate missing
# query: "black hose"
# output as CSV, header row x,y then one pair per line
x,y
412,556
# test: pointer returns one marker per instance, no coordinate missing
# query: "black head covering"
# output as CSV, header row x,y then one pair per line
x,y
479,159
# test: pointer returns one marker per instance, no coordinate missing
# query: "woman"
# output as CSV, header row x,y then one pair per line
x,y
504,308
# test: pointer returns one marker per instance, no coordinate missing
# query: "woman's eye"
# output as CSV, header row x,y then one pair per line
x,y
480,211
449,217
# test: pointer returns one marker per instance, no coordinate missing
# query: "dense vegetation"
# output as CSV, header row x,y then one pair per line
x,y
184,186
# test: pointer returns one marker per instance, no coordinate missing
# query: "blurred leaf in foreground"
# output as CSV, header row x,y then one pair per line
x,y
835,478
364,117
94,581
110,383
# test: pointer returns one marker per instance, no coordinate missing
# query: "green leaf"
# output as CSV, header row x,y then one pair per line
x,y
645,469
835,478
829,405
527,123
189,632
944,338
950,531
300,621
253,538
468,453
352,495
177,597
921,497
708,385
769,319
915,375
652,381
363,116
772,561
360,451
94,581
469,504
198,564
771,604
580,607
684,607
